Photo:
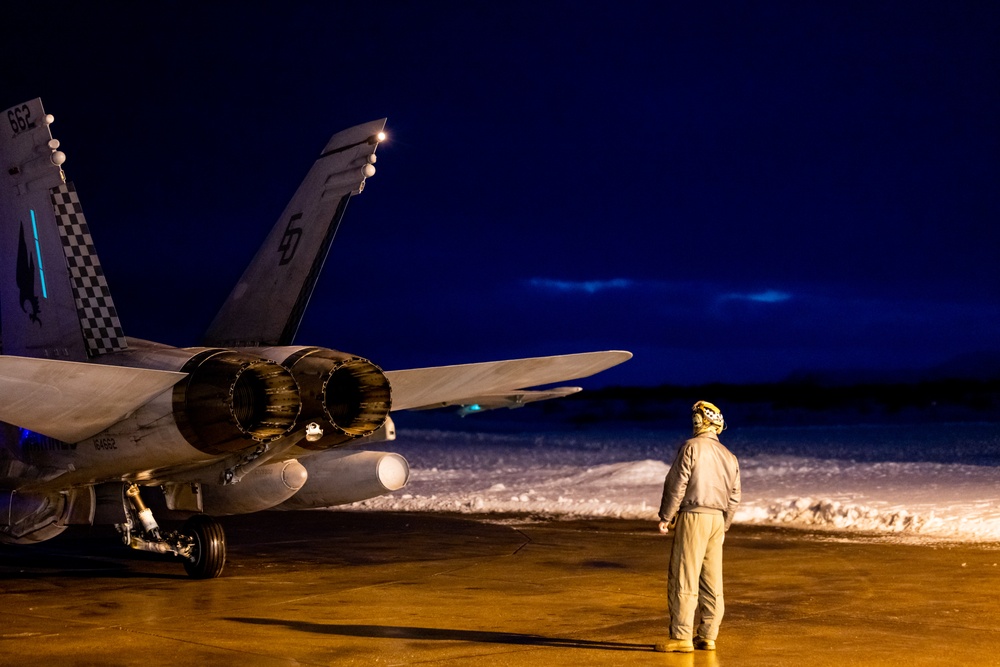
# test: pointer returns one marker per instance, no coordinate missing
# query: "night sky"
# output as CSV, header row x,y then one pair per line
x,y
734,191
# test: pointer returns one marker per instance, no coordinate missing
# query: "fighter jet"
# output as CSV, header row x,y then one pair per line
x,y
97,427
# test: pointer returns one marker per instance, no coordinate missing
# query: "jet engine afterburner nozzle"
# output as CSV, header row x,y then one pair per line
x,y
348,393
231,398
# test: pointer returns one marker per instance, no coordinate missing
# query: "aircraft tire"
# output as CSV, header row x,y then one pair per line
x,y
210,547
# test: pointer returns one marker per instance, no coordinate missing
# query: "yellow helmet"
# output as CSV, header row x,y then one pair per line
x,y
706,416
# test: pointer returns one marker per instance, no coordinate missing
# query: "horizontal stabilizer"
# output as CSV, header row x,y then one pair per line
x,y
460,385
69,400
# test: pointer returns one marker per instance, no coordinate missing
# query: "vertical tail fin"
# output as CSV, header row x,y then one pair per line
x,y
267,304
54,299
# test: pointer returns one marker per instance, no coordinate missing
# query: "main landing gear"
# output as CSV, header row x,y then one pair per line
x,y
200,544
208,553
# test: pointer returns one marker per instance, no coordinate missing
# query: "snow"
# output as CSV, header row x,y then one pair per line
x,y
908,483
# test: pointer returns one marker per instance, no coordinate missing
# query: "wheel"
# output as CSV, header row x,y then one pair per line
x,y
209,547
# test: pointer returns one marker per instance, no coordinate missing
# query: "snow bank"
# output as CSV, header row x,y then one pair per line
x,y
615,475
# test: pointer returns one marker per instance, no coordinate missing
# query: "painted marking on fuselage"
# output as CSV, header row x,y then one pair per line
x,y
105,443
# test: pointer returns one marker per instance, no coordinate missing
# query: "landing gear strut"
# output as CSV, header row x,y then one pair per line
x,y
200,544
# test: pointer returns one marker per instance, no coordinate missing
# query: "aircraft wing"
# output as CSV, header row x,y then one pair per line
x,y
507,399
71,401
457,385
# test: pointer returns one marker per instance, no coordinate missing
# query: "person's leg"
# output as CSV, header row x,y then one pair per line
x,y
686,558
711,602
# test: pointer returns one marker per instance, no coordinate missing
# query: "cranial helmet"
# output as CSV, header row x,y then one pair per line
x,y
706,417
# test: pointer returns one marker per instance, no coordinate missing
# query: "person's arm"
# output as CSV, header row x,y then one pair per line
x,y
735,495
675,485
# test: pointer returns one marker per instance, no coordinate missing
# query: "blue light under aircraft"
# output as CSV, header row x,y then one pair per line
x,y
29,440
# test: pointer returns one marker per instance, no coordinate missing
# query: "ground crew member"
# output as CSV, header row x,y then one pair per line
x,y
700,495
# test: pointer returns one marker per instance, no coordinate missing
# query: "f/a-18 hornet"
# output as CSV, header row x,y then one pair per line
x,y
100,428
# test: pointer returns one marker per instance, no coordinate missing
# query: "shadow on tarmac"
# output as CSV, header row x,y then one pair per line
x,y
44,562
442,634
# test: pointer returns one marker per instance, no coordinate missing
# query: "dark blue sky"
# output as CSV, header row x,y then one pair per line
x,y
732,191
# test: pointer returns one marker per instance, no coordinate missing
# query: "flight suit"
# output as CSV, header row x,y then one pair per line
x,y
703,489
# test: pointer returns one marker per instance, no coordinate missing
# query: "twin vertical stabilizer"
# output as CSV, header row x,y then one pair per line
x,y
267,304
54,299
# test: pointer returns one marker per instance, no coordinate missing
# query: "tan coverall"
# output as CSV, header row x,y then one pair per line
x,y
703,488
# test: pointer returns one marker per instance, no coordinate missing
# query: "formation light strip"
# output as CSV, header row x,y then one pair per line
x,y
38,254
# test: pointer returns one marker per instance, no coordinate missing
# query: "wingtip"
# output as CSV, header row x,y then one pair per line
x,y
623,355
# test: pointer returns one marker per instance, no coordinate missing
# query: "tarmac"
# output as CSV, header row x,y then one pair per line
x,y
368,588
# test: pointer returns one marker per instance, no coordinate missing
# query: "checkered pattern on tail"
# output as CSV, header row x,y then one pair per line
x,y
102,332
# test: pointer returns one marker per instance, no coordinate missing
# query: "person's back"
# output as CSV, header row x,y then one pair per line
x,y
706,473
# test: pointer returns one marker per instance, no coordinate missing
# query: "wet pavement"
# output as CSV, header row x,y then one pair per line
x,y
360,588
